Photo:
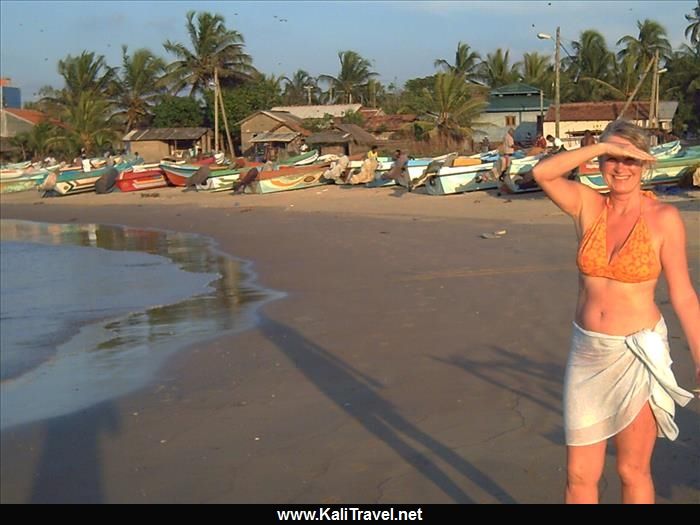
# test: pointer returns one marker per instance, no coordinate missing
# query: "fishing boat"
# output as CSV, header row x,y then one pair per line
x,y
518,177
179,174
289,179
72,182
30,179
304,159
666,150
668,170
416,168
449,180
143,177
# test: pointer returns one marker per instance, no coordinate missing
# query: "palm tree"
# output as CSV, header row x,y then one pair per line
x,y
537,71
456,106
694,28
466,62
651,38
35,143
622,80
84,74
84,104
682,83
300,88
139,87
593,61
496,70
213,47
88,124
355,73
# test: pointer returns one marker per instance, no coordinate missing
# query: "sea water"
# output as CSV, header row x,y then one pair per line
x,y
91,312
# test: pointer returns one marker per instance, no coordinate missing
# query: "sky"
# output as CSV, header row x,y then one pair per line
x,y
402,39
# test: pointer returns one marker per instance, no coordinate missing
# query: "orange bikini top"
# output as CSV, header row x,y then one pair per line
x,y
636,260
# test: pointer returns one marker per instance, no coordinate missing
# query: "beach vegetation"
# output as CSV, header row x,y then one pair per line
x,y
348,86
692,32
178,112
301,89
213,47
466,63
496,70
139,87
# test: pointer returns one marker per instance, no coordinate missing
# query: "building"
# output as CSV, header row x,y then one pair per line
x,y
342,139
304,112
10,97
577,117
279,129
389,127
517,106
155,143
14,121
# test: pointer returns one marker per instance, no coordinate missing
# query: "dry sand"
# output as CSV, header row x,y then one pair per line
x,y
412,361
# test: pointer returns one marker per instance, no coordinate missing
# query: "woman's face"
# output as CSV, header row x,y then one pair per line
x,y
622,174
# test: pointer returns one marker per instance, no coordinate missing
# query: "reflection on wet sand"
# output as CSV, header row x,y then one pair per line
x,y
116,355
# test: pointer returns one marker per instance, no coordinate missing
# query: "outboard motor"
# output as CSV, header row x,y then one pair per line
x,y
106,182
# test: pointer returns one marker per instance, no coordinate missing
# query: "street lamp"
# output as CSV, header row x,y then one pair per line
x,y
557,67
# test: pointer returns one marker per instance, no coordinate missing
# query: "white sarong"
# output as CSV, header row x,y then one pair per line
x,y
609,378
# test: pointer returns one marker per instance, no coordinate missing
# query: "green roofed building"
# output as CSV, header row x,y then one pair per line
x,y
517,106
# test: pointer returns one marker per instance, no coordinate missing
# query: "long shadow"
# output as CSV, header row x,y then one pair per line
x,y
507,366
336,379
70,470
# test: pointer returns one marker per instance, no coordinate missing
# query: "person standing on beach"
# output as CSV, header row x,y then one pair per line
x,y
618,382
588,139
508,148
399,170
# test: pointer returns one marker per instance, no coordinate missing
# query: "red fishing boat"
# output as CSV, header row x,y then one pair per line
x,y
143,177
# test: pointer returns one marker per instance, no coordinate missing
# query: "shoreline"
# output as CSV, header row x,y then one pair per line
x,y
410,361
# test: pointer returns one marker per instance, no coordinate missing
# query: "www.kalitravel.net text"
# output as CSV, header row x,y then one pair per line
x,y
351,514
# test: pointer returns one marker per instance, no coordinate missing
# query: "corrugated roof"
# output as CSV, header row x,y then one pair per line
x,y
330,137
165,134
516,89
272,136
582,111
389,122
31,116
516,103
304,112
342,133
358,134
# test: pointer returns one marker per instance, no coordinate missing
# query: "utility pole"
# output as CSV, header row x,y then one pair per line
x,y
216,110
557,87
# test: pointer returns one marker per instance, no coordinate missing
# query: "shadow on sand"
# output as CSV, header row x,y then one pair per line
x,y
335,378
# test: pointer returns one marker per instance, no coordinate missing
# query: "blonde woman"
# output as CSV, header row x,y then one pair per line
x,y
618,382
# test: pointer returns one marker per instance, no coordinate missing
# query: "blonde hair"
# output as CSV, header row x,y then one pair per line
x,y
629,131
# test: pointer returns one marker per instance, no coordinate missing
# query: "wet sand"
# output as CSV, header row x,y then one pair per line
x,y
412,360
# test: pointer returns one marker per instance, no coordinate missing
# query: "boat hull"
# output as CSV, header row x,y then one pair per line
x,y
469,179
287,182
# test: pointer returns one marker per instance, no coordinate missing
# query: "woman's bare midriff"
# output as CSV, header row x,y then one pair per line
x,y
616,308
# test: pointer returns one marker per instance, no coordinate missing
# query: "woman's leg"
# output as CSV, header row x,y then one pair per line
x,y
635,445
584,466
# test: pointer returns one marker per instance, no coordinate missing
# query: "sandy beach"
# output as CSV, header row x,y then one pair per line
x,y
411,361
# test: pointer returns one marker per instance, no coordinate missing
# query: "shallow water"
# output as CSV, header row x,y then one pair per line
x,y
91,312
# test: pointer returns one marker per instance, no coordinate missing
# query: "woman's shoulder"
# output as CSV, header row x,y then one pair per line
x,y
662,215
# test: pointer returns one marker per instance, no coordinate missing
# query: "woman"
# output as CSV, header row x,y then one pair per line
x,y
619,352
